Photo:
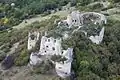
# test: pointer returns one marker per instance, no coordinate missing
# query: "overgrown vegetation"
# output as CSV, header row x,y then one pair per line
x,y
46,67
58,58
22,58
93,61
24,9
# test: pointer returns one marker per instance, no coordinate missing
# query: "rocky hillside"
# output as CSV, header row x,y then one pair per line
x,y
91,61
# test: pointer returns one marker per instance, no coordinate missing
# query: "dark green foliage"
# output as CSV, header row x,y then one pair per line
x,y
28,8
73,2
84,2
58,58
92,29
45,67
96,62
47,24
91,61
9,38
23,58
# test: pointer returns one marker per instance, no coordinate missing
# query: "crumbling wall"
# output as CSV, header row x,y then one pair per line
x,y
50,46
63,69
80,20
93,17
33,37
97,38
77,19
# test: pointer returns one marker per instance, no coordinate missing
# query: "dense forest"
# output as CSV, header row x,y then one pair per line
x,y
23,9
97,62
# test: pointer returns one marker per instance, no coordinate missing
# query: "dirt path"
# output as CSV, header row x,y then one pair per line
x,y
105,4
39,18
115,17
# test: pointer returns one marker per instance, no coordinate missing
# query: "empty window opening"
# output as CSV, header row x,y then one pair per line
x,y
54,40
48,40
53,48
60,67
32,36
67,24
65,73
45,51
62,52
75,20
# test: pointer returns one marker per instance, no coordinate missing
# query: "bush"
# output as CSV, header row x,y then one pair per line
x,y
96,6
2,56
23,58
58,58
43,68
84,2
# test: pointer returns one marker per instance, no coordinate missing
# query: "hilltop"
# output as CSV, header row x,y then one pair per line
x,y
99,60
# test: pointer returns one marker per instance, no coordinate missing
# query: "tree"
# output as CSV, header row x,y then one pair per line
x,y
73,2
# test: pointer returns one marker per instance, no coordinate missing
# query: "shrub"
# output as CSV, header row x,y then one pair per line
x,y
58,58
44,67
23,58
96,6
84,2
2,55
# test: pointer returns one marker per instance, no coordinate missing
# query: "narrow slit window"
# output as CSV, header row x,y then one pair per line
x,y
53,48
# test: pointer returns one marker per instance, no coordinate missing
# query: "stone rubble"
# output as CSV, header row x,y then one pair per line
x,y
79,19
50,46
